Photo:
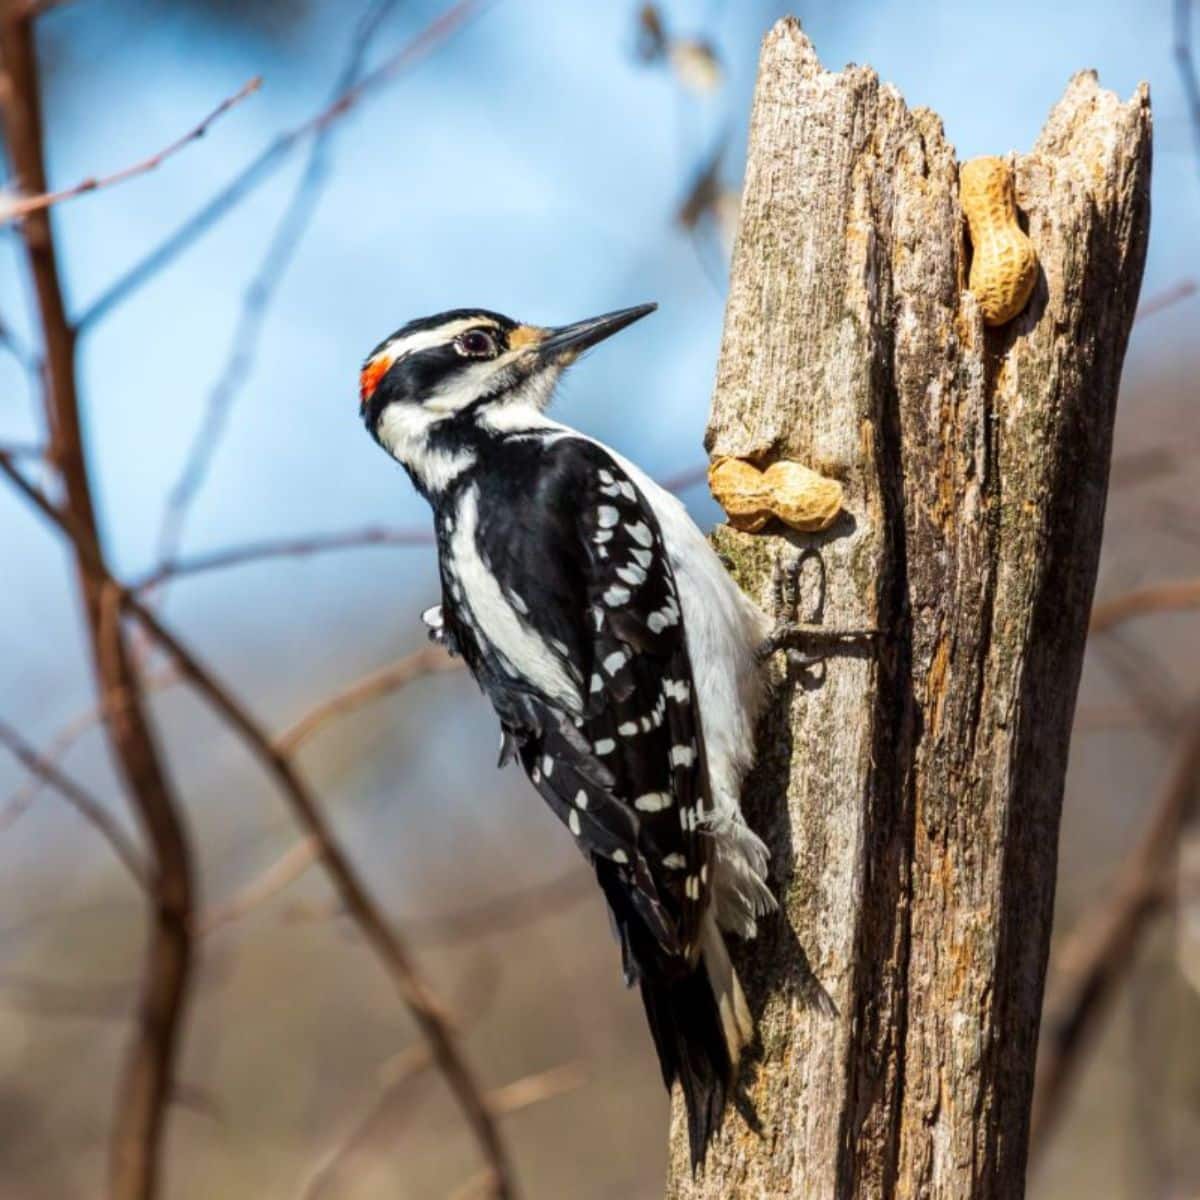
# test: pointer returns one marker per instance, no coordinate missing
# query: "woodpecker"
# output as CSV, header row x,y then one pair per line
x,y
617,652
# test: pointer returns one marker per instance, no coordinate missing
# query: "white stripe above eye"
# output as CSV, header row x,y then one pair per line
x,y
426,339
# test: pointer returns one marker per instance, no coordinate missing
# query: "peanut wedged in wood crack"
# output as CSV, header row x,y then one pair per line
x,y
798,496
1004,263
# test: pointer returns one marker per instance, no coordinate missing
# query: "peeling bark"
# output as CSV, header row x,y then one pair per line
x,y
910,789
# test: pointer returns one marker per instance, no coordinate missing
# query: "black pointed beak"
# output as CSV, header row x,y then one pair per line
x,y
565,344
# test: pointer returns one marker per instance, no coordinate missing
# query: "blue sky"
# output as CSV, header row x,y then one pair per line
x,y
530,165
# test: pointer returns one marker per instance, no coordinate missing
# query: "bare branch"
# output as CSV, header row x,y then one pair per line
x,y
1106,716
1099,952
82,801
1187,68
504,913
21,206
1160,597
1141,466
256,299
499,915
428,661
145,1086
298,858
236,556
16,346
396,1079
689,477
38,8
92,1001
322,543
358,902
261,167
23,450
1155,304
19,802
273,880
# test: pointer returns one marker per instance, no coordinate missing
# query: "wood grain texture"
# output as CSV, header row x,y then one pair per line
x,y
910,790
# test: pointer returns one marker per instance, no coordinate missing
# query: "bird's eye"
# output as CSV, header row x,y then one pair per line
x,y
476,343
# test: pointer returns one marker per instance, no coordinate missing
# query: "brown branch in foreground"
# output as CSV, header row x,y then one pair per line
x,y
272,156
144,1089
1099,952
82,801
359,904
1160,597
22,206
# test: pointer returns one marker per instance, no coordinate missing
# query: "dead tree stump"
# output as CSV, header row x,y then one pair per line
x,y
911,789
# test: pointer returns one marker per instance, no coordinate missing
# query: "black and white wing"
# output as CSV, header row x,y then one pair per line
x,y
571,622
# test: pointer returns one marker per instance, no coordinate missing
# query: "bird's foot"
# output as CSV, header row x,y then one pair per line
x,y
806,644
806,641
435,624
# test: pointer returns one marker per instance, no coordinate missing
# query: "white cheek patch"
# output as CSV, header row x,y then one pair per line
x,y
404,431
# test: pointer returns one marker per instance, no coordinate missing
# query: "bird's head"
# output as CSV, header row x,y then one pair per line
x,y
428,392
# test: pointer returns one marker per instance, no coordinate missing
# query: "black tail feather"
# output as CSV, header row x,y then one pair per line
x,y
686,1024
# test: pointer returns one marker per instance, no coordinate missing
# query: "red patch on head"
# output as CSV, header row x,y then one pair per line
x,y
370,376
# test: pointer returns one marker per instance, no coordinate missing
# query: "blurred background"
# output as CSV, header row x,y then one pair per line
x,y
551,161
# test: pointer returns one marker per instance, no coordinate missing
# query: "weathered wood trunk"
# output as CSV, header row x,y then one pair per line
x,y
910,789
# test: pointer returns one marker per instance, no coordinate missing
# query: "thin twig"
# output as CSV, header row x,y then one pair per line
x,y
1187,68
85,804
21,206
38,8
1146,683
298,858
682,481
257,296
430,660
144,1089
397,1077
322,543
519,908
270,882
541,1085
1159,597
504,913
1155,304
93,1001
1100,951
23,450
261,167
20,800
300,547
359,904
16,346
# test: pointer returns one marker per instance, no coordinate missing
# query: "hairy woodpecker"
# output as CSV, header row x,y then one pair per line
x,y
617,652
